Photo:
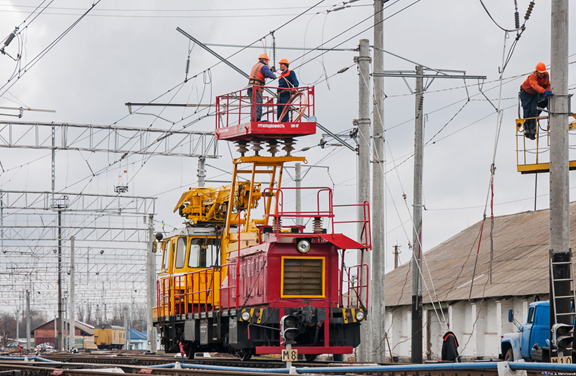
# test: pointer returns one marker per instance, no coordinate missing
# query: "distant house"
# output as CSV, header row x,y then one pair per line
x,y
478,317
138,340
47,333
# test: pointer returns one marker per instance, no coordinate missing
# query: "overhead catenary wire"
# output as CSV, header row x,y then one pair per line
x,y
252,43
22,71
179,86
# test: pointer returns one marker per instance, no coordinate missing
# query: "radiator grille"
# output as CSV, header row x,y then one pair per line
x,y
303,277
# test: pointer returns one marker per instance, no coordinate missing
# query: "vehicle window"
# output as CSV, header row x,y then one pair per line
x,y
194,259
212,255
180,253
166,255
531,315
204,252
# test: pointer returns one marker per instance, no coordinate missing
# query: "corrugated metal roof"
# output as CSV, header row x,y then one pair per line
x,y
520,263
135,335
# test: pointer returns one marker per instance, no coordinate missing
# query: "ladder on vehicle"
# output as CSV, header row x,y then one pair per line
x,y
562,272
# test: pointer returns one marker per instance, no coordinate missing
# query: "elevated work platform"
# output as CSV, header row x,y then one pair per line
x,y
533,156
253,112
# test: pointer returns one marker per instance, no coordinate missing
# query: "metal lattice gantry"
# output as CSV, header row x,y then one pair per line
x,y
111,240
107,138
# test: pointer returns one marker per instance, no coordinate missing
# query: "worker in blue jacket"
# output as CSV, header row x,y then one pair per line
x,y
286,80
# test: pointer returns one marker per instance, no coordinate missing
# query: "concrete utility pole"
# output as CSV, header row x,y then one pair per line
x,y
560,251
417,222
363,123
72,301
417,210
27,319
298,181
18,319
377,204
66,324
60,308
126,335
151,283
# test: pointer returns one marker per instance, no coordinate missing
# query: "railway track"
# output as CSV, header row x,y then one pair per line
x,y
149,360
75,369
172,367
20,368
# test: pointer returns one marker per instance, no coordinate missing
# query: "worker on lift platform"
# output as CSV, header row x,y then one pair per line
x,y
260,71
534,93
286,80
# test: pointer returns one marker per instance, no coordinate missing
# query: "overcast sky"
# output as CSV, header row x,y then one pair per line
x,y
130,51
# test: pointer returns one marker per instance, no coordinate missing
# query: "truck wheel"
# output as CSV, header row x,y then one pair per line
x,y
509,357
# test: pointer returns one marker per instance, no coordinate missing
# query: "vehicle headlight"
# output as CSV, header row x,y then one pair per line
x,y
245,316
303,246
359,316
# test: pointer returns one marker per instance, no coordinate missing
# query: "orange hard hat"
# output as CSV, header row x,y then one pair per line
x,y
541,67
284,61
263,56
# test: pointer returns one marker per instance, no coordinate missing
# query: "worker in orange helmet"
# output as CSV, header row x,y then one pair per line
x,y
534,93
286,80
260,71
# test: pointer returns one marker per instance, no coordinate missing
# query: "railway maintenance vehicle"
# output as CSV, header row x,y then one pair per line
x,y
242,276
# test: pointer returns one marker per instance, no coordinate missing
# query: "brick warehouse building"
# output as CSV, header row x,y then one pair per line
x,y
46,333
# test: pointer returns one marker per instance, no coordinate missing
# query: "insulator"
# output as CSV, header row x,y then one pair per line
x,y
288,145
242,146
9,39
273,147
343,70
421,103
517,19
529,10
256,146
187,66
277,224
273,50
317,225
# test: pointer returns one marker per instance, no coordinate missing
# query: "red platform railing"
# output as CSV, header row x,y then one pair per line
x,y
240,106
323,208
365,235
355,280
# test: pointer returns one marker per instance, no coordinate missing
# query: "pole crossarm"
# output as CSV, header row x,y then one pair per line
x,y
244,74
78,202
411,74
107,138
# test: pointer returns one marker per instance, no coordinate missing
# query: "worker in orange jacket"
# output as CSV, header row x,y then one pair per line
x,y
534,93
260,71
